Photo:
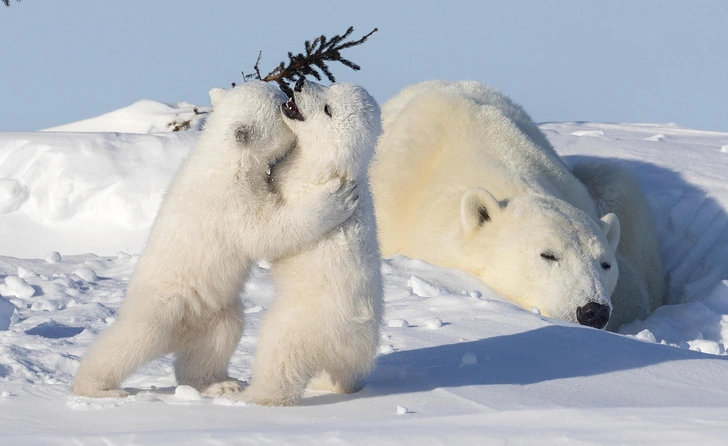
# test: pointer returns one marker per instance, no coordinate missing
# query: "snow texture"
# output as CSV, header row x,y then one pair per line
x,y
490,373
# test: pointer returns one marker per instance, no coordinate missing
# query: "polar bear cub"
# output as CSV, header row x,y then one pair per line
x,y
323,327
218,215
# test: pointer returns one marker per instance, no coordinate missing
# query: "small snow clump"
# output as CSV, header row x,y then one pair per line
x,y
187,393
87,274
386,349
17,287
433,323
469,359
398,323
53,257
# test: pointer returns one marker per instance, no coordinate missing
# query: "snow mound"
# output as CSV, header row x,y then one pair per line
x,y
78,193
17,287
144,116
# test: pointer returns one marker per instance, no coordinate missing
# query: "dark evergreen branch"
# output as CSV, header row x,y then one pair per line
x,y
313,62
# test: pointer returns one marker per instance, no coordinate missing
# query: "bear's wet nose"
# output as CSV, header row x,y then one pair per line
x,y
299,85
593,315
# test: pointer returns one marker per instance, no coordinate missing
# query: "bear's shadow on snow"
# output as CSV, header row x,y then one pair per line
x,y
540,355
692,228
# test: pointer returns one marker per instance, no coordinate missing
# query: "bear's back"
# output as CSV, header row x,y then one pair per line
x,y
442,138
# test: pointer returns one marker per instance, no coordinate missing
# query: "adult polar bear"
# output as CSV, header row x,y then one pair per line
x,y
463,178
218,215
323,327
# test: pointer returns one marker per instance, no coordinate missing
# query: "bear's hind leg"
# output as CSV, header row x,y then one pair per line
x,y
278,378
203,355
126,345
342,384
282,365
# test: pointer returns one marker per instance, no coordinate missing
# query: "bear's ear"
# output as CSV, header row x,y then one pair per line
x,y
611,228
478,207
216,95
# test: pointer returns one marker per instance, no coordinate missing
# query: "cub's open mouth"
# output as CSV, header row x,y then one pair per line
x,y
291,111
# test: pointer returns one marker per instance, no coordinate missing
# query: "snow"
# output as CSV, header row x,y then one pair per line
x,y
86,274
187,393
457,362
17,287
53,257
141,117
397,323
433,323
469,358
89,192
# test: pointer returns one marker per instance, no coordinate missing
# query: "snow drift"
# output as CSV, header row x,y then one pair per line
x,y
142,117
75,193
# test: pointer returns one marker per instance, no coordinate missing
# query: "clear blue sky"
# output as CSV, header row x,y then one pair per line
x,y
626,61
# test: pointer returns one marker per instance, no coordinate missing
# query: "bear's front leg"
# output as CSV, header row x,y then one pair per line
x,y
288,227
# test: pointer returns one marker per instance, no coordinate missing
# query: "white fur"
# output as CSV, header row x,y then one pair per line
x,y
641,286
323,327
463,178
218,215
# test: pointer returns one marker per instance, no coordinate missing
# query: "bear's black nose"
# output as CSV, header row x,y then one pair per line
x,y
299,85
593,315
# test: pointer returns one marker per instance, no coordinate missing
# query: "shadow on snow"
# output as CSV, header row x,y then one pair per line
x,y
692,228
544,354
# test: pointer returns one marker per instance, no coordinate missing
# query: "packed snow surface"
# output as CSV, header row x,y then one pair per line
x,y
457,363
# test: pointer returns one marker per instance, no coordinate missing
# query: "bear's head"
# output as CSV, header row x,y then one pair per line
x,y
246,121
542,252
342,118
